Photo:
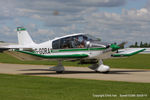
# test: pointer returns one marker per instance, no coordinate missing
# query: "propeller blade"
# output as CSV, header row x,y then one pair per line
x,y
121,45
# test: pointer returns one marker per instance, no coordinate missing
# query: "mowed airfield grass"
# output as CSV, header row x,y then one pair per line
x,y
139,61
20,87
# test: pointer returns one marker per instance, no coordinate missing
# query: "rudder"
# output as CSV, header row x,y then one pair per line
x,y
23,36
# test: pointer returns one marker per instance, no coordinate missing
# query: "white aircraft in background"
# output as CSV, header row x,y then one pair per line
x,y
80,46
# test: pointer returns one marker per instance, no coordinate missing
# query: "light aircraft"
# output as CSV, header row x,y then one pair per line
x,y
80,46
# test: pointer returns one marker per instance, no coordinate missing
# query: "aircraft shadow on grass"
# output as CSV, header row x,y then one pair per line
x,y
49,72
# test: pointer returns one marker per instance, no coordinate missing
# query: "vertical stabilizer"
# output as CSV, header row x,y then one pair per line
x,y
23,36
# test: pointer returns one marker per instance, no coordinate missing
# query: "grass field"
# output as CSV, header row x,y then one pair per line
x,y
140,61
20,87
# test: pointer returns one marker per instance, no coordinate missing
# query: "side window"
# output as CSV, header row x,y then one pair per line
x,y
65,43
78,42
56,44
69,42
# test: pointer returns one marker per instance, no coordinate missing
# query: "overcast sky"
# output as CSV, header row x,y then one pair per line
x,y
110,20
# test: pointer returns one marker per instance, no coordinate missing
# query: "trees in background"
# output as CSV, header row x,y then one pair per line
x,y
141,45
2,42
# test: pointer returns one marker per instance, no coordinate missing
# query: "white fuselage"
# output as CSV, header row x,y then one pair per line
x,y
45,48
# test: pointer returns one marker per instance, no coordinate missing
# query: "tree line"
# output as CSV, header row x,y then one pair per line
x,y
141,45
2,42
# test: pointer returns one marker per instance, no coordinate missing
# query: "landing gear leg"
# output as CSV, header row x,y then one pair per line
x,y
59,68
100,67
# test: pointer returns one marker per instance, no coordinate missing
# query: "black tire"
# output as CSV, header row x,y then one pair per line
x,y
59,72
103,72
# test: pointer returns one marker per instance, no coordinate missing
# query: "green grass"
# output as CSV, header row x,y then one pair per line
x,y
20,87
140,61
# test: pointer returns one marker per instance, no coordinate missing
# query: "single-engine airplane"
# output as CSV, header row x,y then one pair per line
x,y
71,47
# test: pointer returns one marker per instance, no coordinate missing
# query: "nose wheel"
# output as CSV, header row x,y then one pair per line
x,y
100,67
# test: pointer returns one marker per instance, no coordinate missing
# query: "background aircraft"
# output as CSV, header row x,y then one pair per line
x,y
80,46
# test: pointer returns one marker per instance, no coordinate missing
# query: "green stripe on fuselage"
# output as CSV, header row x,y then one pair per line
x,y
77,49
56,56
64,50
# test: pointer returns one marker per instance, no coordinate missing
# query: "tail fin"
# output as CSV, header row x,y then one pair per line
x,y
23,36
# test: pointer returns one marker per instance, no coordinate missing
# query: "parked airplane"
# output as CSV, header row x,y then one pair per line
x,y
78,46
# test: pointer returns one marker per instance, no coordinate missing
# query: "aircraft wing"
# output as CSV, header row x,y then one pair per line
x,y
127,52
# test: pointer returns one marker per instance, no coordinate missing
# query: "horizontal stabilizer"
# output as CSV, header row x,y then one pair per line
x,y
17,46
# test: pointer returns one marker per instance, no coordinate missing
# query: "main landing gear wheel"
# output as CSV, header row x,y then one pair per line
x,y
59,72
59,68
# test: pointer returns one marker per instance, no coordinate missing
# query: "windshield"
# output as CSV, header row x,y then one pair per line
x,y
77,41
91,38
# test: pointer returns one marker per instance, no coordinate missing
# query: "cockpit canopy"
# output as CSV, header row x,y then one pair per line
x,y
78,41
